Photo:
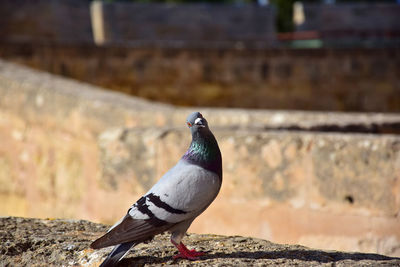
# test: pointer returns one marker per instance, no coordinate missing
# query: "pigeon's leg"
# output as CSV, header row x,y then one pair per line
x,y
185,253
176,239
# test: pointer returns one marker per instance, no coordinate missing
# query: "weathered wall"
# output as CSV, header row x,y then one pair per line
x,y
223,56
366,24
342,80
72,150
187,24
40,21
81,21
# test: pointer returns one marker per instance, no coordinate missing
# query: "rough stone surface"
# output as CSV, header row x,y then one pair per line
x,y
37,242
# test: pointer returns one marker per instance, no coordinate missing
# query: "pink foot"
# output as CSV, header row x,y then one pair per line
x,y
185,253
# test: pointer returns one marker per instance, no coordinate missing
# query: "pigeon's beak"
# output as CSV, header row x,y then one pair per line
x,y
199,122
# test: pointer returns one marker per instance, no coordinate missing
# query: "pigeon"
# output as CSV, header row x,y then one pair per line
x,y
172,204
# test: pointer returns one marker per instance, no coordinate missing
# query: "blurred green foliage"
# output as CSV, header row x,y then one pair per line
x,y
284,21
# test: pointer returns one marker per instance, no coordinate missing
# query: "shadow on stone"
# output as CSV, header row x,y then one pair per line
x,y
291,255
303,255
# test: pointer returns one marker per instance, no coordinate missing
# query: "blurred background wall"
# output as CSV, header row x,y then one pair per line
x,y
265,71
228,55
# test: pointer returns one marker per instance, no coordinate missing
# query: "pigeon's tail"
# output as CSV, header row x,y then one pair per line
x,y
117,254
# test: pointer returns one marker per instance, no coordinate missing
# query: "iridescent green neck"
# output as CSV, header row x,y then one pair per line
x,y
204,151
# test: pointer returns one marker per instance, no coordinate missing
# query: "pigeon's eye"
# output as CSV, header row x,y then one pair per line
x,y
189,124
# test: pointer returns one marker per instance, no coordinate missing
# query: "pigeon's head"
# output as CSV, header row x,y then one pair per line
x,y
196,121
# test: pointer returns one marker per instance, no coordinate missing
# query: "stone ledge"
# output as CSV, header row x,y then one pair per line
x,y
39,96
42,98
36,242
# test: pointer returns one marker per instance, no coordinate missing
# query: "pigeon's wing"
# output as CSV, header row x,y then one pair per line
x,y
130,230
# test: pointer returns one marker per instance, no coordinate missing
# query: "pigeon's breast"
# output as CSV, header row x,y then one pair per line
x,y
186,187
199,187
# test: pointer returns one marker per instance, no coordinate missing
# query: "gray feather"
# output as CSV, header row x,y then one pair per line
x,y
117,254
